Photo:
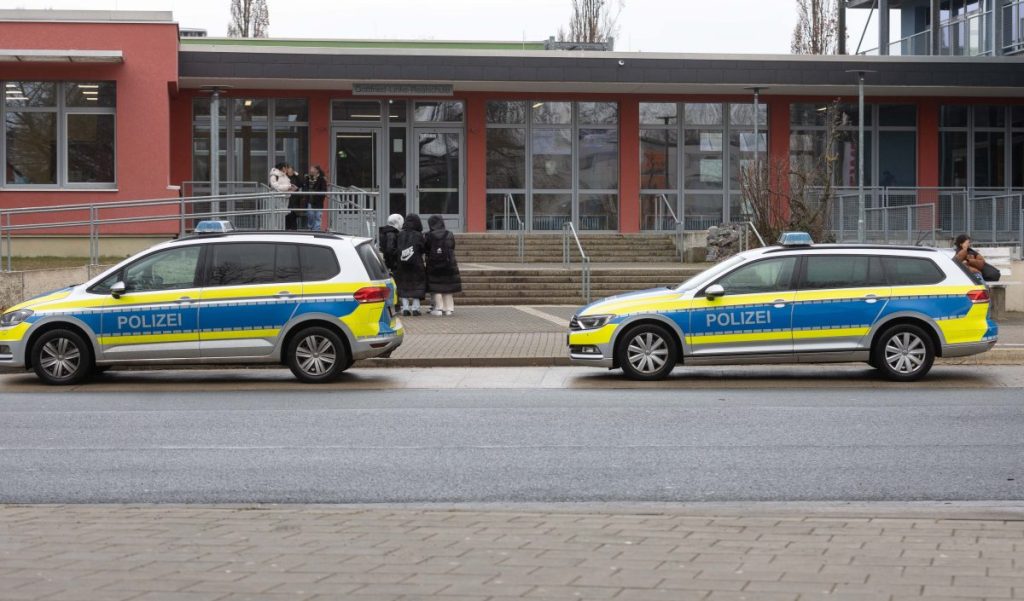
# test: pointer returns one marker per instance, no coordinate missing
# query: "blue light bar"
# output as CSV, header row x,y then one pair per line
x,y
795,239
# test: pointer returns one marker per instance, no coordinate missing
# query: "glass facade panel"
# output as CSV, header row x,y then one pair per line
x,y
989,115
598,113
952,115
702,114
398,111
506,158
31,140
397,168
659,159
291,145
441,111
250,152
552,158
551,211
1017,164
897,158
899,115
989,159
702,211
743,114
501,112
249,109
742,148
658,113
704,167
91,95
91,148
28,94
291,109
599,159
501,212
656,211
355,110
599,212
953,159
545,113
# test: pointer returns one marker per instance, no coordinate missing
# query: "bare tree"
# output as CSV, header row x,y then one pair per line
x,y
592,21
783,195
249,19
817,27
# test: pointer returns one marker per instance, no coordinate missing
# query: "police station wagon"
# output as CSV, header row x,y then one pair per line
x,y
896,308
317,302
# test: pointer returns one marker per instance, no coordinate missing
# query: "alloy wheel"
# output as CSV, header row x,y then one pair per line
x,y
316,355
60,358
905,353
647,352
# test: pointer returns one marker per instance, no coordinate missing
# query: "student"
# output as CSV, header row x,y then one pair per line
x,y
973,260
443,278
410,275
388,241
296,201
280,182
315,182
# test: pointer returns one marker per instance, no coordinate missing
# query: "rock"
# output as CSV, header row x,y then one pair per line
x,y
723,241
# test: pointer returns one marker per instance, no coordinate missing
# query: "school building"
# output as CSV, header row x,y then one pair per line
x,y
99,106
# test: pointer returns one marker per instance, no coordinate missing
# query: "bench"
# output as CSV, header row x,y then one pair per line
x,y
1001,258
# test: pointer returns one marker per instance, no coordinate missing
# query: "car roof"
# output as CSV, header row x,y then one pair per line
x,y
268,236
880,249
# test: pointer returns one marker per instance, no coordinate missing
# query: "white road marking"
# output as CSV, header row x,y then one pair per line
x,y
555,320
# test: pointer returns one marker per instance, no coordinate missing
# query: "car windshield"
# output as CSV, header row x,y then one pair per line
x,y
710,273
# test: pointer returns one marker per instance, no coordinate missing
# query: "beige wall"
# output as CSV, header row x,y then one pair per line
x,y
78,246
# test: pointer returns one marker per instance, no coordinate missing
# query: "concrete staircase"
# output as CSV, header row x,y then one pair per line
x,y
492,275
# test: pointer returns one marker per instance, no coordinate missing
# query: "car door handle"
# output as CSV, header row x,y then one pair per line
x,y
780,303
185,300
284,293
871,298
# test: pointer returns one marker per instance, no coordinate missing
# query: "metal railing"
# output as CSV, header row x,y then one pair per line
x,y
352,210
966,35
678,228
513,218
569,234
749,228
1013,27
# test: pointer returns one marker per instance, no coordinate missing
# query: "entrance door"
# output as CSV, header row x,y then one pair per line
x,y
439,175
357,158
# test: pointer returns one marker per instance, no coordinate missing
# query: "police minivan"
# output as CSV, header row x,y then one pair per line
x,y
896,308
314,301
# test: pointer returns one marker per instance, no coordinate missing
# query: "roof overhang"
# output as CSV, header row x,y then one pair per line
x,y
61,56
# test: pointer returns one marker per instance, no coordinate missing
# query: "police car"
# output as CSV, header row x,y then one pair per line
x,y
317,302
896,308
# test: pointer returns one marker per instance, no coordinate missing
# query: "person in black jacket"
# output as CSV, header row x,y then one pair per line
x,y
295,201
410,274
315,182
388,241
443,278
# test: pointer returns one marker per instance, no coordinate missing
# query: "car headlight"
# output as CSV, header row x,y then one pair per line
x,y
13,318
592,322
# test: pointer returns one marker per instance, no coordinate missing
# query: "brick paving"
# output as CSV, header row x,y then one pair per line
x,y
204,553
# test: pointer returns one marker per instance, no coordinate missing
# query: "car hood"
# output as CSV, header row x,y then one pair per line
x,y
642,300
42,299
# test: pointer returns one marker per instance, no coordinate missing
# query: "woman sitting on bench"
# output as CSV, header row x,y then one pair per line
x,y
973,260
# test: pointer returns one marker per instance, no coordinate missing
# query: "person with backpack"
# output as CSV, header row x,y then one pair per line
x,y
973,260
388,241
315,182
443,278
410,275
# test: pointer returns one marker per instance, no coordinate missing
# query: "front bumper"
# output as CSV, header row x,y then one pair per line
x,y
368,348
12,350
583,351
966,349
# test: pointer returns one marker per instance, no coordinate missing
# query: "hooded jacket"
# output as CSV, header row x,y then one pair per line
x,y
279,182
443,275
388,241
410,274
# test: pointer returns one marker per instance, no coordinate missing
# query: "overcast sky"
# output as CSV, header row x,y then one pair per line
x,y
719,26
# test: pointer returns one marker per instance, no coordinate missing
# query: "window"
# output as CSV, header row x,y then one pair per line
x,y
821,272
242,263
318,263
692,157
770,275
58,134
371,261
981,146
165,270
441,111
906,271
254,134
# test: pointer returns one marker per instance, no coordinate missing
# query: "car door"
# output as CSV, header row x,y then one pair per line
x,y
752,317
838,298
156,316
252,289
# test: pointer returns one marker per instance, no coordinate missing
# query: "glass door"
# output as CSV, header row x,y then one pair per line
x,y
438,162
357,158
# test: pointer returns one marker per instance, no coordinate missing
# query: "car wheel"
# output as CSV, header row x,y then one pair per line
x,y
904,353
61,357
646,352
317,355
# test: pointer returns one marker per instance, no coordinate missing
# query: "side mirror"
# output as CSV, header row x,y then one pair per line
x,y
117,289
714,291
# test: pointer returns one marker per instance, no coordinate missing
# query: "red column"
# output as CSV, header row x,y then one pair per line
x,y
629,165
320,133
476,163
778,147
928,159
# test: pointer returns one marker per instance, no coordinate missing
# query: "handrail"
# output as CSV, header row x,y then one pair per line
x,y
568,228
749,225
679,229
510,201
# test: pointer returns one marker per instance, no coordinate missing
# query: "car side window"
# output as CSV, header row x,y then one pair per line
x,y
910,271
318,263
841,271
770,275
239,264
166,270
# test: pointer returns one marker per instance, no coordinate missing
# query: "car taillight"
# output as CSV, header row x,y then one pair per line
x,y
978,296
373,295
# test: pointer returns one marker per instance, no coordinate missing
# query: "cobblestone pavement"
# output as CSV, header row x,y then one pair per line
x,y
204,553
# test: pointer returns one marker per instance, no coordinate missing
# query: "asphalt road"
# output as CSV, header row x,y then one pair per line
x,y
855,440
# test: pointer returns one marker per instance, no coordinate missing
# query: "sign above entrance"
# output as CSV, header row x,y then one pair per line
x,y
403,89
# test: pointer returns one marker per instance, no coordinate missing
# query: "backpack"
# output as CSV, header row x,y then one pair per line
x,y
440,256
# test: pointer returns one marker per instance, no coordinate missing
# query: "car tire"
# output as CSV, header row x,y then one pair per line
x,y
904,353
61,357
316,355
646,352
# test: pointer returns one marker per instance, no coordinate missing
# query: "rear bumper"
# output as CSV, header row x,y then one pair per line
x,y
967,349
368,348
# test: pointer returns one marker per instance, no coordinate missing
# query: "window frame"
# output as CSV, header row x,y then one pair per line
x,y
198,278
970,130
888,276
802,276
61,110
793,277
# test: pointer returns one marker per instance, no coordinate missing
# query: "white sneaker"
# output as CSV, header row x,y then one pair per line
x,y
436,313
449,313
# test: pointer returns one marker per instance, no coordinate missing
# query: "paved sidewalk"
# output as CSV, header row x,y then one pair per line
x,y
514,336
755,552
